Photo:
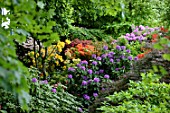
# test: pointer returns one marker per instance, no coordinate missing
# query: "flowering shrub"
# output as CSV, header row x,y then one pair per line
x,y
140,33
138,37
52,57
82,49
85,78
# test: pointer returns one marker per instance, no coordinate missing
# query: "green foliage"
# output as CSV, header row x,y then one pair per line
x,y
87,34
28,18
43,99
146,96
141,12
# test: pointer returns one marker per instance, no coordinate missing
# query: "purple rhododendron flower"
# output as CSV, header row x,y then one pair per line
x,y
152,29
127,34
103,56
80,110
71,69
34,80
118,47
142,27
96,79
123,47
85,77
70,76
53,90
111,60
84,83
128,51
106,76
136,58
111,53
132,35
89,81
105,47
86,97
118,60
95,94
94,63
129,57
110,56
97,72
123,67
136,30
117,69
83,68
90,71
122,56
78,65
99,58
101,71
94,56
84,62
144,34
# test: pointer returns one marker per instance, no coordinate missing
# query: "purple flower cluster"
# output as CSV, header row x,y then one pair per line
x,y
103,55
70,76
139,33
135,58
96,80
71,69
94,56
84,62
105,47
83,68
90,71
101,71
53,90
85,96
95,94
129,57
34,80
84,83
94,63
99,58
106,76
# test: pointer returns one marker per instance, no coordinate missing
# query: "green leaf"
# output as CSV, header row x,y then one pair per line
x,y
40,4
166,57
158,46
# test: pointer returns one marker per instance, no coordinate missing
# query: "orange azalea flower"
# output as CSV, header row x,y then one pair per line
x,y
140,55
79,47
163,29
154,40
154,36
82,53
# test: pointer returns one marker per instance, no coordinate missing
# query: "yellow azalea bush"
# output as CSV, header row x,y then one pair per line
x,y
53,60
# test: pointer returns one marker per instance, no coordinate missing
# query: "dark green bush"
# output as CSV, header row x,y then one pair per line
x,y
149,95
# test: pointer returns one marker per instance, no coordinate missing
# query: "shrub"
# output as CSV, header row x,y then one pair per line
x,y
82,49
146,96
44,98
84,80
